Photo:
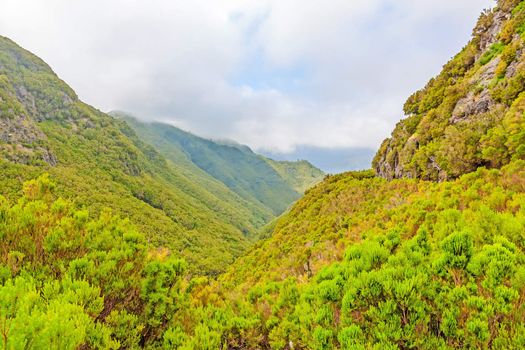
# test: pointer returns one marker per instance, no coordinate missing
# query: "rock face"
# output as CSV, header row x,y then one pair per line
x,y
464,117
21,141
476,103
30,93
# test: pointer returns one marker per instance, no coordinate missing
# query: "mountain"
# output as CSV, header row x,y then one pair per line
x,y
270,186
397,261
100,162
299,175
362,263
471,114
332,160
404,256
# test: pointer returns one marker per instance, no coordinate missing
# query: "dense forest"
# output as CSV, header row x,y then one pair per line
x,y
100,161
116,234
269,185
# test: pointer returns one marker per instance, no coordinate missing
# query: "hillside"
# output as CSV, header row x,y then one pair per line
x,y
363,263
300,175
425,251
358,263
471,114
269,185
100,162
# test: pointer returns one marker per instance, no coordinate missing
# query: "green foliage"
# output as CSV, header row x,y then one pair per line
x,y
358,263
492,52
457,122
267,187
300,175
101,162
364,263
71,281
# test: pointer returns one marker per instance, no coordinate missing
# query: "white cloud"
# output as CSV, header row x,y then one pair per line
x,y
175,61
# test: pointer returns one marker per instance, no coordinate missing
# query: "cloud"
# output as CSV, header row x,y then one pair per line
x,y
273,74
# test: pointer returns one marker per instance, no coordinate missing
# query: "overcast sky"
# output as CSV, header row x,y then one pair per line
x,y
274,75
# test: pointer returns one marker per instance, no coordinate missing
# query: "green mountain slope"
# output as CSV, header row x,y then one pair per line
x,y
363,263
269,185
471,114
360,262
300,175
101,162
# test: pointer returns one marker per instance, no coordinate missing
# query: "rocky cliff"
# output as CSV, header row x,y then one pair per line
x,y
471,114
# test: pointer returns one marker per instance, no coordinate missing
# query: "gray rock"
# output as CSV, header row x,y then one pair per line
x,y
512,68
24,138
471,106
490,36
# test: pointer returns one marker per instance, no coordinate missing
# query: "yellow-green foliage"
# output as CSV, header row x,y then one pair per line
x,y
102,163
363,263
359,262
300,175
70,281
439,141
234,172
67,279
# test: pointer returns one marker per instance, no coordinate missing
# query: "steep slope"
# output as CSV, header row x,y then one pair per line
x,y
470,115
269,185
101,162
300,175
360,262
181,162
363,263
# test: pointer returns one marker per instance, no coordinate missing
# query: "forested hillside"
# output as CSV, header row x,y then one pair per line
x,y
362,263
100,162
358,263
270,186
300,175
426,251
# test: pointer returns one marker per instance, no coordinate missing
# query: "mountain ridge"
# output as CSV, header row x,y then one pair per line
x,y
101,162
267,184
408,255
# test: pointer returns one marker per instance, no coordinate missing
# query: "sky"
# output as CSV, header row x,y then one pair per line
x,y
290,78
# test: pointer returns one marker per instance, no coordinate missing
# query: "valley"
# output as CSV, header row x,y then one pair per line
x,y
122,233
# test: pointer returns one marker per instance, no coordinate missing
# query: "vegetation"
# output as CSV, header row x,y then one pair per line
x,y
362,261
71,281
269,186
471,115
358,263
300,175
101,162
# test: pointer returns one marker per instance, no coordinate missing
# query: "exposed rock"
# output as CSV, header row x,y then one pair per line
x,y
474,98
490,35
19,130
381,166
512,69
66,99
27,99
23,141
471,105
488,72
49,157
442,175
